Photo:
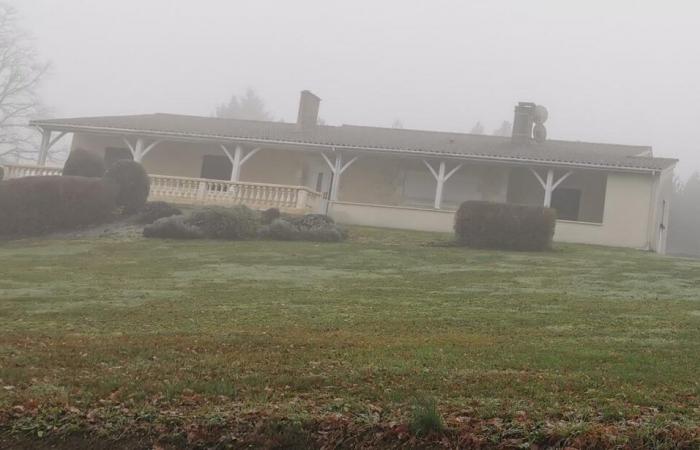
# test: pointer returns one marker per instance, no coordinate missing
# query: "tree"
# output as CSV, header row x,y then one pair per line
x,y
506,129
477,129
397,124
684,220
247,107
20,74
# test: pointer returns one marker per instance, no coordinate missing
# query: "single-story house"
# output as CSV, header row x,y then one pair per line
x,y
615,195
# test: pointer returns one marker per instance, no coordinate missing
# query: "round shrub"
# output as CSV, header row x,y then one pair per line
x,y
237,222
173,227
36,205
481,224
83,163
153,211
281,230
269,215
133,184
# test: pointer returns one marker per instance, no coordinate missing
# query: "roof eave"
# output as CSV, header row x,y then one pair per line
x,y
194,137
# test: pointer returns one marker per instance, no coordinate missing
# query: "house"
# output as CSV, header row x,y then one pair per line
x,y
605,194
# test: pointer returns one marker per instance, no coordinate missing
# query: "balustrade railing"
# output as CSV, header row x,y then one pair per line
x,y
201,191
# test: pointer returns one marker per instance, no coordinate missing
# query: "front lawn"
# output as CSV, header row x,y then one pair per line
x,y
295,343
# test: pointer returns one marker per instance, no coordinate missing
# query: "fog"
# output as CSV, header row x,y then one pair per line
x,y
624,72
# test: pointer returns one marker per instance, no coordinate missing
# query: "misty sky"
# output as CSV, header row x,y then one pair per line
x,y
611,71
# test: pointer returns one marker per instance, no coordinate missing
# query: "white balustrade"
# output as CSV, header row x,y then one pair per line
x,y
217,192
201,191
22,170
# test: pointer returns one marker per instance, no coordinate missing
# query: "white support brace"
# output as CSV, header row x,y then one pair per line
x,y
237,159
150,147
337,168
44,149
440,178
46,143
140,150
549,185
131,147
57,138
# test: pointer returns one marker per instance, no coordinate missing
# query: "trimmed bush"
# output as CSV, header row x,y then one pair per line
x,y
280,230
173,227
37,205
83,163
312,221
133,184
237,222
269,215
481,224
153,211
311,227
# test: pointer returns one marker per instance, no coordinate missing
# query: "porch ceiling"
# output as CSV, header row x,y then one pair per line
x,y
369,139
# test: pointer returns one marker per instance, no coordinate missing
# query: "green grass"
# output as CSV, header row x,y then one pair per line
x,y
581,334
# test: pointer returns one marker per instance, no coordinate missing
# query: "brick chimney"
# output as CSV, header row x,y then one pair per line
x,y
523,122
308,110
528,123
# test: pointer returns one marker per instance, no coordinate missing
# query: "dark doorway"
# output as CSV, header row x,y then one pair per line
x,y
114,154
216,167
566,202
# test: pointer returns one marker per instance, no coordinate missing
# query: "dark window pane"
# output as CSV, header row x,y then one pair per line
x,y
567,203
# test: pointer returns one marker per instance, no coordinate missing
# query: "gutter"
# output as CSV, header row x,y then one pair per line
x,y
334,147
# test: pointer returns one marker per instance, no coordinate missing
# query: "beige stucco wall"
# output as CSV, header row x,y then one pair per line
x,y
392,217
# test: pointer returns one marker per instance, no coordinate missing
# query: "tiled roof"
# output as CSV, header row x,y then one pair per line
x,y
374,138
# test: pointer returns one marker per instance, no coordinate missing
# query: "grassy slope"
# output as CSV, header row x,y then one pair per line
x,y
580,334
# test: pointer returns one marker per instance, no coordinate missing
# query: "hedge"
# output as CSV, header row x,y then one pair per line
x,y
133,184
36,205
506,226
83,163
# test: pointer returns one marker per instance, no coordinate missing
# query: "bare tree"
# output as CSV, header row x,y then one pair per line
x,y
506,129
477,129
684,223
248,107
397,124
20,74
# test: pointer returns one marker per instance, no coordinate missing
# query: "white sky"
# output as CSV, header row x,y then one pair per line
x,y
620,71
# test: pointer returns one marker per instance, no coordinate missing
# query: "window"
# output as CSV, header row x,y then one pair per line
x,y
567,203
114,154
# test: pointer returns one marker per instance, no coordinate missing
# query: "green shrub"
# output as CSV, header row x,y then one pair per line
x,y
426,418
269,215
83,163
311,227
280,230
481,224
133,182
153,211
312,221
173,227
36,205
237,222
